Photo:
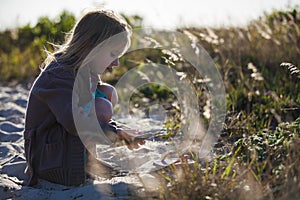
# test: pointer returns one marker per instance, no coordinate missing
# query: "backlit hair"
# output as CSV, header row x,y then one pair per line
x,y
91,30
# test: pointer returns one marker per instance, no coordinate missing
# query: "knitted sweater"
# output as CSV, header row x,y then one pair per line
x,y
53,149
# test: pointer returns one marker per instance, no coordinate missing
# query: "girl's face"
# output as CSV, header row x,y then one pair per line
x,y
107,59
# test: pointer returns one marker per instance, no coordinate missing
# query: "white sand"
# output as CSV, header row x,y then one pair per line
x,y
12,163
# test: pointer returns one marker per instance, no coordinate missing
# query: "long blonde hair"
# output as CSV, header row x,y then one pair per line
x,y
92,29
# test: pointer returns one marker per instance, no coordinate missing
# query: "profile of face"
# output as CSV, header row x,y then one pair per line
x,y
106,56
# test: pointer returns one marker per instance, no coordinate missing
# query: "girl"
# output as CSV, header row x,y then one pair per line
x,y
55,118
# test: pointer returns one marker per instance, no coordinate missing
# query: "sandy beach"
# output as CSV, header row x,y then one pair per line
x,y
12,163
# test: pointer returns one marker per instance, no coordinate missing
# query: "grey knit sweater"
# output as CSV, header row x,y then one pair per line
x,y
53,148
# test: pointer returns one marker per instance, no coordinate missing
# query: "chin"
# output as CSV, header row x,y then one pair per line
x,y
109,69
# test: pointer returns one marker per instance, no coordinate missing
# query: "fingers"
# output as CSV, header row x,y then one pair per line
x,y
128,139
134,144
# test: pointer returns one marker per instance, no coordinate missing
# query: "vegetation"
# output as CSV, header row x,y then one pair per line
x,y
23,50
261,165
257,154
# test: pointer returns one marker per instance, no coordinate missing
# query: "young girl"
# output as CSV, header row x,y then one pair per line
x,y
54,142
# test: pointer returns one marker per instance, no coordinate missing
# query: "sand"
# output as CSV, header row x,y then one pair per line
x,y
12,163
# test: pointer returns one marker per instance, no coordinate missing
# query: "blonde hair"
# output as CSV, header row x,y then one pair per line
x,y
92,29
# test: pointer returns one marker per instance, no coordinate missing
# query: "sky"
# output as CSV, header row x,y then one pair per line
x,y
156,13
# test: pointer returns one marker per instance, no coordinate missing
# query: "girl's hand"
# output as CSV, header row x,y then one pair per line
x,y
127,137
